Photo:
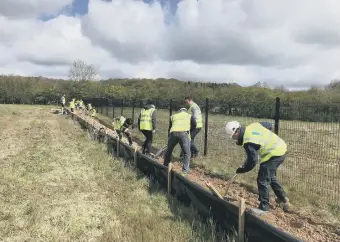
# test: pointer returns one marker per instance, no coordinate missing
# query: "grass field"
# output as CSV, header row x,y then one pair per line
x,y
58,185
310,174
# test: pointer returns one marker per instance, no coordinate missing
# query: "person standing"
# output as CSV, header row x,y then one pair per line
x,y
179,133
196,126
147,125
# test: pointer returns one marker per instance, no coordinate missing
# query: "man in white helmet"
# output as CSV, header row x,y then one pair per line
x,y
261,144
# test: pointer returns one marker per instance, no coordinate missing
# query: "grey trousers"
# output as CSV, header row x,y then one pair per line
x,y
183,139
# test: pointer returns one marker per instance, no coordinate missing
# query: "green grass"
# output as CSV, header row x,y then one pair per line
x,y
310,174
58,185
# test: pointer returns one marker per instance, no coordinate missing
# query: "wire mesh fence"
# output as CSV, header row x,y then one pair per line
x,y
312,133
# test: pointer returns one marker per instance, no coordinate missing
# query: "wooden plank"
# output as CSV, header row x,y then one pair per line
x,y
118,144
135,158
213,189
241,210
169,177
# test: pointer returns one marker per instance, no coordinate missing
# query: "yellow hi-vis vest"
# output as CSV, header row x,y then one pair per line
x,y
146,119
93,112
271,144
119,123
180,122
199,119
72,105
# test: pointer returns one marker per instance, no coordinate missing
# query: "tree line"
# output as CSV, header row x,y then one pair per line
x,y
315,104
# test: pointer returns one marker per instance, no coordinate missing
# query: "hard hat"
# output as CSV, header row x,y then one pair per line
x,y
231,127
183,109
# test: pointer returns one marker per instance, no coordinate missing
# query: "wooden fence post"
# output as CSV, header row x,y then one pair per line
x,y
118,144
241,210
169,177
135,158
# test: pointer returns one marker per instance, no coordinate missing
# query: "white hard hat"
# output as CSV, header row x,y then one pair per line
x,y
231,127
183,109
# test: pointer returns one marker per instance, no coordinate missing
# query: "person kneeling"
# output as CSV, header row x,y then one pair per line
x,y
121,126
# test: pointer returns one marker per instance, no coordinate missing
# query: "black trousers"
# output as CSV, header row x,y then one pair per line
x,y
193,148
148,141
267,177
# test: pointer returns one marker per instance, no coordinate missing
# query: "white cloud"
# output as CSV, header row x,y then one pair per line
x,y
31,8
296,43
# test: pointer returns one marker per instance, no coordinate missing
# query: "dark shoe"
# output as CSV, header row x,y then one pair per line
x,y
283,203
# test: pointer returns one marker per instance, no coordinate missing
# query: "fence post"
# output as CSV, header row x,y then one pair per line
x,y
170,113
135,158
107,107
206,127
242,207
113,109
122,107
169,177
277,115
133,110
101,106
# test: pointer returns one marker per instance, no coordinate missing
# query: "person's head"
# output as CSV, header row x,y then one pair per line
x,y
129,121
188,100
233,129
183,110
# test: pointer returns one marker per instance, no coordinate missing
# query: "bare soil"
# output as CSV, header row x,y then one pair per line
x,y
305,226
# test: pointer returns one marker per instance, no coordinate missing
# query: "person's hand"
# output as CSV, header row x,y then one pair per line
x,y
240,170
154,131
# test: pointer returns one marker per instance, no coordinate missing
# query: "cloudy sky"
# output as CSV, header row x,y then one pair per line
x,y
295,43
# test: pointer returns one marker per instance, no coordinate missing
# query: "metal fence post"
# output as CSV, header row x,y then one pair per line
x,y
113,109
101,106
170,113
122,107
206,127
133,110
107,107
277,115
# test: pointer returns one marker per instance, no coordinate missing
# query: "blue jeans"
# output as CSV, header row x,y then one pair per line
x,y
267,177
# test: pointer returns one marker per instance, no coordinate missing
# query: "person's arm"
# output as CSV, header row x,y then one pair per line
x,y
154,120
170,125
252,158
139,117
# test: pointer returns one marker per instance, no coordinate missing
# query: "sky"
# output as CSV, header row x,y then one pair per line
x,y
294,43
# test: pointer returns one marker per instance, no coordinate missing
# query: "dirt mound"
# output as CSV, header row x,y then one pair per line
x,y
306,227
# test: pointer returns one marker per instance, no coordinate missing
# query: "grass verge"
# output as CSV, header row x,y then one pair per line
x,y
57,185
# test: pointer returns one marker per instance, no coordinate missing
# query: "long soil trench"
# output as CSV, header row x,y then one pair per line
x,y
304,226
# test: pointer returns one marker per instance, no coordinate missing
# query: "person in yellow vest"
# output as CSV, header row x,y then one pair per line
x,y
147,125
197,124
92,112
121,126
72,105
179,133
63,101
264,146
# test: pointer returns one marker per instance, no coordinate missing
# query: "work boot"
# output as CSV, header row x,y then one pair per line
x,y
258,211
283,203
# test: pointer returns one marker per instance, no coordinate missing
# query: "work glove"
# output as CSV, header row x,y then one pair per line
x,y
154,131
240,170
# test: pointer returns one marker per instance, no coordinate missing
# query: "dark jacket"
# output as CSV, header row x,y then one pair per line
x,y
251,150
147,107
